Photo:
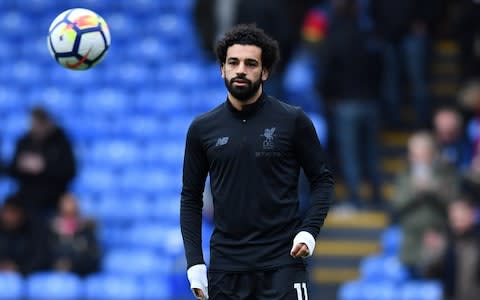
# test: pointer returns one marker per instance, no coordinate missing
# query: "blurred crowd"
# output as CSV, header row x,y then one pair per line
x,y
41,226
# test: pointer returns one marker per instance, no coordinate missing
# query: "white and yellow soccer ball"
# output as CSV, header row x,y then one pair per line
x,y
78,39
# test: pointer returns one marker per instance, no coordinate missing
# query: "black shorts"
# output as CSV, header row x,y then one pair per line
x,y
286,283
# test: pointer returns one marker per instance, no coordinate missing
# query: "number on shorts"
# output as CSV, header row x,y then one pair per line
x,y
299,287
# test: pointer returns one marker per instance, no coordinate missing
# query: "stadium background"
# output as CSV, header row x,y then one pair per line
x,y
127,118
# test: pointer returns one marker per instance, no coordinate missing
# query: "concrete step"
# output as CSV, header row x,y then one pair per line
x,y
346,248
357,220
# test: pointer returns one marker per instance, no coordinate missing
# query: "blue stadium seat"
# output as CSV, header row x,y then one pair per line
x,y
94,179
150,49
177,127
380,267
11,286
146,180
114,206
166,207
135,262
122,26
54,286
115,153
113,235
360,290
391,240
161,102
157,288
105,101
15,24
11,99
144,128
112,287
15,125
159,236
62,102
6,50
421,290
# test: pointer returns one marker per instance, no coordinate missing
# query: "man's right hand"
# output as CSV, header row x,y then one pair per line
x,y
197,275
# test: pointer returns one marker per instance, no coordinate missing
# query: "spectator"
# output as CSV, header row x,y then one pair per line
x,y
422,195
466,30
23,246
457,258
281,19
213,18
349,83
471,179
405,28
43,164
450,136
74,245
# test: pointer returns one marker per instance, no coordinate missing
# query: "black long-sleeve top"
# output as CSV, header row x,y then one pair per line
x,y
253,157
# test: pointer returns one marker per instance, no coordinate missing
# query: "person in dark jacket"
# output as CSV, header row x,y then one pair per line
x,y
43,164
349,84
252,146
282,19
405,28
74,245
23,246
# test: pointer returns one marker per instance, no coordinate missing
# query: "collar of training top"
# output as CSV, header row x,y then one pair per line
x,y
249,109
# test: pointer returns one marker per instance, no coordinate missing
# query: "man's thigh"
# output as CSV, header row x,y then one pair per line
x,y
287,283
231,286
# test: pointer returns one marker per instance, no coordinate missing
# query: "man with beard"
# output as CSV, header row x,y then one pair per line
x,y
253,147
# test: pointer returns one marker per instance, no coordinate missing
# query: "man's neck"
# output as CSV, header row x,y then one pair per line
x,y
239,105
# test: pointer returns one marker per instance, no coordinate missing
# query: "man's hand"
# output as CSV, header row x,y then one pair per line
x,y
197,275
303,245
299,250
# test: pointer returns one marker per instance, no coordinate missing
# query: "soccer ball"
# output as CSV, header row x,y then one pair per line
x,y
78,39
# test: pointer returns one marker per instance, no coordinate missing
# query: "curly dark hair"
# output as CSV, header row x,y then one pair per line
x,y
250,34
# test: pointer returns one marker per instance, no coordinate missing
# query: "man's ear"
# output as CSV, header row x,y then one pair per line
x,y
222,70
265,74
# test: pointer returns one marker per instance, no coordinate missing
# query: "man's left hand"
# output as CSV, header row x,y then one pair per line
x,y
299,250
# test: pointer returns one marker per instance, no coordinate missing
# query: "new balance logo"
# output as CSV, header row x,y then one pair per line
x,y
222,141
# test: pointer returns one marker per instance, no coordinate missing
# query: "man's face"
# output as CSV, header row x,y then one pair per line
x,y
12,217
243,72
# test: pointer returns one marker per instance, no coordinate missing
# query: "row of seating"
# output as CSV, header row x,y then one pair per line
x,y
384,277
139,7
105,286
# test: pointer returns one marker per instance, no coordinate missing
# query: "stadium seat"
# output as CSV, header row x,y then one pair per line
x,y
11,286
15,125
94,179
161,102
391,240
159,236
421,290
15,23
112,287
360,290
143,128
105,101
380,267
135,262
115,153
157,288
54,286
146,180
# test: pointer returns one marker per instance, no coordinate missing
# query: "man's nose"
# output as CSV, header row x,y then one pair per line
x,y
241,69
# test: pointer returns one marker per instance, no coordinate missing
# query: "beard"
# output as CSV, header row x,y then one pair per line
x,y
243,93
